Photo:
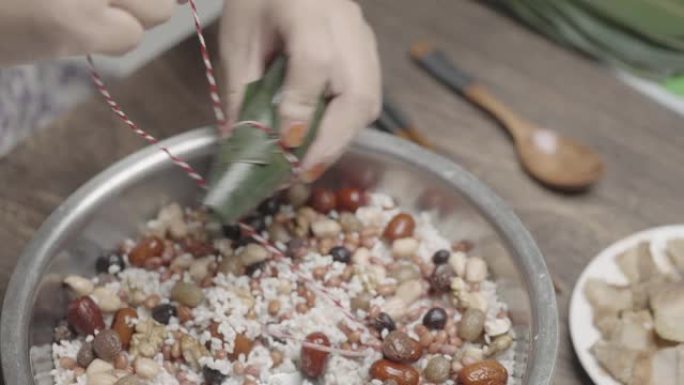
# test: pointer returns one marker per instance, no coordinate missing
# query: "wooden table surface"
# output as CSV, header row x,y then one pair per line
x,y
642,142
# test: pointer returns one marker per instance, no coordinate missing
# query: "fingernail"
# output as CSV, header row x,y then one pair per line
x,y
293,135
315,172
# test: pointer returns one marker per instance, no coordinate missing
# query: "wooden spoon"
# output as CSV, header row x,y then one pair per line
x,y
555,161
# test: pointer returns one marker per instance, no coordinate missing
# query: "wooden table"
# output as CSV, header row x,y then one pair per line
x,y
641,141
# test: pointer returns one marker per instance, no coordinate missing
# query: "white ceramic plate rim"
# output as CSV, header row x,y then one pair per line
x,y
582,330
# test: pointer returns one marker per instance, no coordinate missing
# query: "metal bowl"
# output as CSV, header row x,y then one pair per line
x,y
112,206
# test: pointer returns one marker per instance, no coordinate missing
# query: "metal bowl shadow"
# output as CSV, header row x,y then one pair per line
x,y
112,206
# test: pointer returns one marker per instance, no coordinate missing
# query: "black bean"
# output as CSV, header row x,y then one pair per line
x,y
212,376
162,313
383,321
435,318
440,280
270,206
341,254
244,241
441,257
103,263
251,269
232,232
256,222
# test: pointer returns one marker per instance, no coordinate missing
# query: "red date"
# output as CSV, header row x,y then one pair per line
x,y
323,200
85,316
313,360
349,199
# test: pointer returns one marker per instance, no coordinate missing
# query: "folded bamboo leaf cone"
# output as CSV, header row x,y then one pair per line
x,y
249,165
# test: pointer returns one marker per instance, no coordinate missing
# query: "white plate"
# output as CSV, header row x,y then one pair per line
x,y
582,330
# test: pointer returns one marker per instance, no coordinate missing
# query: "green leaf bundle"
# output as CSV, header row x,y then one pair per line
x,y
645,37
250,165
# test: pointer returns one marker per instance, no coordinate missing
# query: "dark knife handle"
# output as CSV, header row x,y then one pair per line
x,y
441,68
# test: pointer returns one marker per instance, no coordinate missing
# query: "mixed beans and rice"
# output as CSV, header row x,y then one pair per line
x,y
316,287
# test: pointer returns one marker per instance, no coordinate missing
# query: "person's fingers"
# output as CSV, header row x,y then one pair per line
x,y
338,127
356,78
116,33
149,12
307,44
241,45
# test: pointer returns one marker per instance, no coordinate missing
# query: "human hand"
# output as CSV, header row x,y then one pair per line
x,y
331,51
37,29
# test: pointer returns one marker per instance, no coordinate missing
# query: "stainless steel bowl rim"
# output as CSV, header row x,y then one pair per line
x,y
22,287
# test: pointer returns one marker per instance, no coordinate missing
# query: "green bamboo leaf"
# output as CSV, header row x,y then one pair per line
x,y
573,24
657,20
250,166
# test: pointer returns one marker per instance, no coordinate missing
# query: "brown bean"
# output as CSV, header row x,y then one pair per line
x,y
243,345
298,194
67,363
187,294
399,347
488,372
122,324
107,345
184,313
401,225
437,369
120,361
401,374
152,301
146,248
85,316
277,357
85,355
274,307
471,325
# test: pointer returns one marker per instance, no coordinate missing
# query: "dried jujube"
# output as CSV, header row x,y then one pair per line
x,y
85,316
349,199
323,200
313,360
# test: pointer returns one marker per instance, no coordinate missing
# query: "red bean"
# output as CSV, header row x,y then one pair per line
x,y
401,226
402,374
349,199
323,200
146,248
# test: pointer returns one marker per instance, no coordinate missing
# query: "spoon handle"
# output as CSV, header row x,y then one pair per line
x,y
440,67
